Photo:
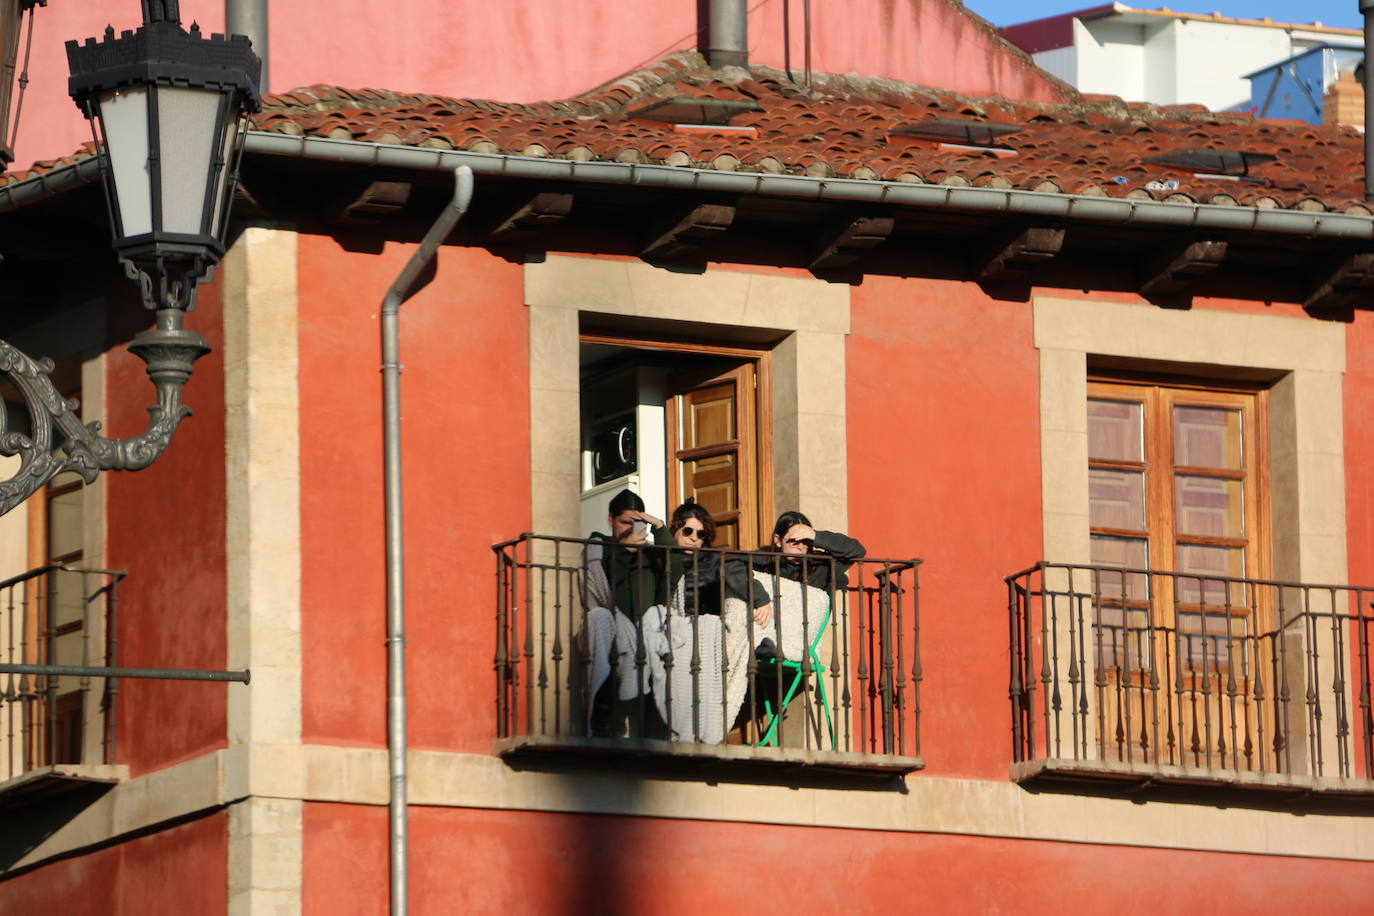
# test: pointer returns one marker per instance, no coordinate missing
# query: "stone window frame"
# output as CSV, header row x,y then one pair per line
x,y
811,316
1304,362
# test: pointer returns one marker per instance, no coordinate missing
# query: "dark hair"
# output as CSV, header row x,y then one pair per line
x,y
691,510
624,501
784,525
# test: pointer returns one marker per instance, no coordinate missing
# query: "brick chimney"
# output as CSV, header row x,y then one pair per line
x,y
1344,102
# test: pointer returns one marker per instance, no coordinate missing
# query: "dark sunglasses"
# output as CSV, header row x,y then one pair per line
x,y
804,542
690,531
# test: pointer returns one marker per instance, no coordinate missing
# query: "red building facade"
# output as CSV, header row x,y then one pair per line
x,y
1031,343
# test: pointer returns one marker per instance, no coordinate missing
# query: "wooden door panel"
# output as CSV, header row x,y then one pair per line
x,y
712,449
711,416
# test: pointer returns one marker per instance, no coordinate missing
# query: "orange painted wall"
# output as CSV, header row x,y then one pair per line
x,y
173,872
547,50
479,862
166,527
944,464
465,390
1359,505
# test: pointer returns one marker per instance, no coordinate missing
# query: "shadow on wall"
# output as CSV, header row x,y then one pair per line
x,y
603,853
28,823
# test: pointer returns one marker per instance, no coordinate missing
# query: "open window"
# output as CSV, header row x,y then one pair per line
x,y
674,421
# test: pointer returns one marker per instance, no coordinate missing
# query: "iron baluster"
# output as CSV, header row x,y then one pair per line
x,y
1338,691
1366,716
561,624
1014,689
1314,708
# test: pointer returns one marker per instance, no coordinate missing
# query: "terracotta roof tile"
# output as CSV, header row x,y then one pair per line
x,y
843,126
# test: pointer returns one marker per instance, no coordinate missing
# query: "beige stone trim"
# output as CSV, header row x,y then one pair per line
x,y
265,828
135,805
1307,433
808,405
262,457
265,856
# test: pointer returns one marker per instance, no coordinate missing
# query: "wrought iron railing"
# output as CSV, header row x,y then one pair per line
x,y
57,615
695,668
1139,668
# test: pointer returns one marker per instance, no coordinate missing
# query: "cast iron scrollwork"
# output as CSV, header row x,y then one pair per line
x,y
169,351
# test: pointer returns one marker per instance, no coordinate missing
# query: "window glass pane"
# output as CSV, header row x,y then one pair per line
x,y
1207,437
68,602
1121,638
1209,507
1114,431
1208,562
1131,553
1116,499
1205,646
64,525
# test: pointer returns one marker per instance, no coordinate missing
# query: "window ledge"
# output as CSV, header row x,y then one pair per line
x,y
745,755
46,782
1140,776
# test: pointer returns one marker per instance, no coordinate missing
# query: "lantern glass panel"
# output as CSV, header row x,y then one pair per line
x,y
124,117
228,158
187,121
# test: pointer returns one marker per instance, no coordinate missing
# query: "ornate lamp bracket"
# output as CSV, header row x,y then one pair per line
x,y
58,441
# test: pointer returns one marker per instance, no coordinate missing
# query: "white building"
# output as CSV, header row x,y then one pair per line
x,y
1167,57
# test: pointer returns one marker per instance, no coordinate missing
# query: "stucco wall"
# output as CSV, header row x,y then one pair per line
x,y
501,862
465,439
174,871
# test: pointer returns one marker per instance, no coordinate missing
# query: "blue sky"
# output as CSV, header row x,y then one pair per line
x,y
1342,13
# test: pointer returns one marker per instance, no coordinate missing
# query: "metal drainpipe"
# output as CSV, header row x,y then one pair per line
x,y
729,34
249,17
1367,8
400,290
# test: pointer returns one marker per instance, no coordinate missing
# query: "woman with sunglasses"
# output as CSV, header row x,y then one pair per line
x,y
802,570
710,595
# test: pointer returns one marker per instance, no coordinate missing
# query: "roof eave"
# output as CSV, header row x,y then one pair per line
x,y
1071,207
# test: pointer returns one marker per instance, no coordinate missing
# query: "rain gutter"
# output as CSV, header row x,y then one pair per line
x,y
402,288
1025,204
1031,204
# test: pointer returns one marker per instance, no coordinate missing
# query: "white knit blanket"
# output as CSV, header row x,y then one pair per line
x,y
699,666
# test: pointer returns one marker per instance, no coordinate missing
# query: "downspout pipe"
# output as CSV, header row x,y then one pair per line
x,y
1367,10
249,17
728,33
401,289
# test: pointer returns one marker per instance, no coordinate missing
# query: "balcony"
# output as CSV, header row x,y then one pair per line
x,y
691,687
56,733
1147,677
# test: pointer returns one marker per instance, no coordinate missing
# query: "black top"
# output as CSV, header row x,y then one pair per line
x,y
831,552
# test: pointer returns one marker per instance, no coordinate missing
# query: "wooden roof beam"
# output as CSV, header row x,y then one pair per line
x,y
366,204
1342,284
843,247
684,236
539,212
1175,272
1011,262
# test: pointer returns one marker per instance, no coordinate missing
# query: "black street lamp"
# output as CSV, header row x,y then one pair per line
x,y
169,110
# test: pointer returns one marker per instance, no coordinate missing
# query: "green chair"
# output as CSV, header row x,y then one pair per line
x,y
774,719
